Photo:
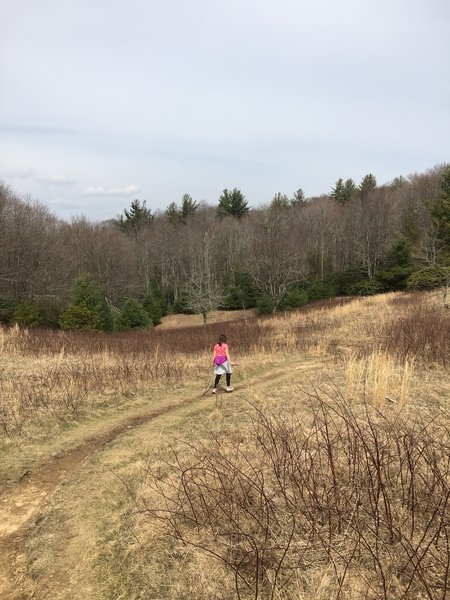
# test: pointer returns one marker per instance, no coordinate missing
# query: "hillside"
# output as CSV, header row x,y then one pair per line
x,y
122,476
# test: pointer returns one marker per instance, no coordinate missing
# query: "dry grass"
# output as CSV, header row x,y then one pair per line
x,y
379,378
358,408
179,321
332,485
48,376
329,501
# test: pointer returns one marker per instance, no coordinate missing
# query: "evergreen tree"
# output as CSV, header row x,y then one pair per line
x,y
367,185
188,206
343,191
27,314
180,215
349,189
132,316
398,182
440,213
135,219
88,311
279,202
298,198
153,307
338,192
232,203
172,213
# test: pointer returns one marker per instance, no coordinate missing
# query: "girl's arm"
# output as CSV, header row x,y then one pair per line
x,y
229,358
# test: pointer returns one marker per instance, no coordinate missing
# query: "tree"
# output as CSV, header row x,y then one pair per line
x,y
204,292
298,198
275,263
349,189
27,314
440,214
321,219
188,207
338,192
180,215
367,185
374,225
398,182
279,202
153,306
172,213
88,310
232,203
132,316
135,219
343,191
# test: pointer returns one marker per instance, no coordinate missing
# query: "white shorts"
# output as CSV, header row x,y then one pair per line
x,y
223,368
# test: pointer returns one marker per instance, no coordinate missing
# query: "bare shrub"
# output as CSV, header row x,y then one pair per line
x,y
420,331
34,342
348,506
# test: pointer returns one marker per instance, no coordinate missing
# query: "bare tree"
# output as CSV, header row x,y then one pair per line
x,y
204,291
276,261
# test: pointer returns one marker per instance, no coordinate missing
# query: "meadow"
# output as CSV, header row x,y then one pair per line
x,y
326,474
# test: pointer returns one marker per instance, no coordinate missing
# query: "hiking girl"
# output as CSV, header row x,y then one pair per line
x,y
222,363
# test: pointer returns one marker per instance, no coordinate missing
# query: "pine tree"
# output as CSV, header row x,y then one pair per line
x,y
440,213
88,310
279,202
349,189
172,213
132,316
180,215
298,198
188,206
136,218
338,192
343,192
232,203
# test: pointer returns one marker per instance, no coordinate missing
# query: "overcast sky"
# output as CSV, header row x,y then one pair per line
x,y
105,101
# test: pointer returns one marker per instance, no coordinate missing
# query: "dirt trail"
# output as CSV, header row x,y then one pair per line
x,y
24,499
20,505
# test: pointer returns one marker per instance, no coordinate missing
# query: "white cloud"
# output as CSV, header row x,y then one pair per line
x,y
116,191
56,180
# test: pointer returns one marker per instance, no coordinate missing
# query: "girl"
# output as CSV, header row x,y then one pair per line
x,y
222,363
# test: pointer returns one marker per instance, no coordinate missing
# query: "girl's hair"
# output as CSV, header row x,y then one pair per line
x,y
222,338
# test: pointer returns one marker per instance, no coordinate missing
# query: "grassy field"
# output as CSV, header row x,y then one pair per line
x,y
325,474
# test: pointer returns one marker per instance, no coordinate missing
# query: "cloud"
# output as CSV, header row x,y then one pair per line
x,y
20,173
56,180
128,190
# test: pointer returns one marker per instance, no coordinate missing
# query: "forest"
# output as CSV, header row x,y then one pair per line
x,y
127,272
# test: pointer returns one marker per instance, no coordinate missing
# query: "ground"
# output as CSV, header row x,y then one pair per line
x,y
48,516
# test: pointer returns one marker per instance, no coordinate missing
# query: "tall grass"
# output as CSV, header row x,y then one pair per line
x,y
47,375
245,335
378,377
50,375
419,331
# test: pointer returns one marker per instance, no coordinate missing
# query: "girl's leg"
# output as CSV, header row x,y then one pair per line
x,y
217,379
228,379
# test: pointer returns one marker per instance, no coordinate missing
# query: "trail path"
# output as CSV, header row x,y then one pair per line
x,y
22,504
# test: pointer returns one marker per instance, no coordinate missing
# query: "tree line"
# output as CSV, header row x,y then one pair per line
x,y
193,257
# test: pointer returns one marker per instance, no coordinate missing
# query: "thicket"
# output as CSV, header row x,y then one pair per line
x,y
348,501
358,240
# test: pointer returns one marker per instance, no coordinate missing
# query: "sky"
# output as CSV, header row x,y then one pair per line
x,y
108,101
